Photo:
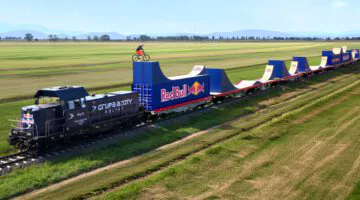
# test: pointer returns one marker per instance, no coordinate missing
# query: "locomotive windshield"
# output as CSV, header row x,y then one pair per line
x,y
47,100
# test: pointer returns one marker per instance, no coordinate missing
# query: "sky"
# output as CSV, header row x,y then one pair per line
x,y
184,16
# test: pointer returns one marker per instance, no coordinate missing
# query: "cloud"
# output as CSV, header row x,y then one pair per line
x,y
338,4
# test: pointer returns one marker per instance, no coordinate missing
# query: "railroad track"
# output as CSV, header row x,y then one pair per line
x,y
17,160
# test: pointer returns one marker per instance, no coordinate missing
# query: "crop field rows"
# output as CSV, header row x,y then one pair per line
x,y
25,68
236,138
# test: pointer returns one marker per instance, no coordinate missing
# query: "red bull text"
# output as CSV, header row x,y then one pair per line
x,y
179,93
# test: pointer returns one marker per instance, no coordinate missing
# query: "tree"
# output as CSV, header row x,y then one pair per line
x,y
53,38
56,38
89,38
66,39
28,37
144,38
105,38
0,38
74,38
96,38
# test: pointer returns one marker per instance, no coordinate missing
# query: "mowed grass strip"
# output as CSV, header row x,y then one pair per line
x,y
311,153
155,160
26,67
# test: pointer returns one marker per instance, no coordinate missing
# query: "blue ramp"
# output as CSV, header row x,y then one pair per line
x,y
299,65
332,58
276,69
219,81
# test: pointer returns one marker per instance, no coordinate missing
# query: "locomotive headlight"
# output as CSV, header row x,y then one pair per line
x,y
14,132
28,133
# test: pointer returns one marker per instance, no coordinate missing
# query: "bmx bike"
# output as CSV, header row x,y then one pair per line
x,y
144,57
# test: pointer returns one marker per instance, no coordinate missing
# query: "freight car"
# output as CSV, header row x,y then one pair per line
x,y
63,114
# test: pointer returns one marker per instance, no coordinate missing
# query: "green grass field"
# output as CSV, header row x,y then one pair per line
x,y
107,67
25,67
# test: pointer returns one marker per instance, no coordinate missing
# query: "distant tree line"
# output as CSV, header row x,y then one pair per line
x,y
54,38
168,38
243,38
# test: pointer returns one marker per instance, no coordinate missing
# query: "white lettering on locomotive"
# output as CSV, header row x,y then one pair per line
x,y
115,104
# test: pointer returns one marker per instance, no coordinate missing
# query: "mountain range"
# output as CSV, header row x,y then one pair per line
x,y
41,32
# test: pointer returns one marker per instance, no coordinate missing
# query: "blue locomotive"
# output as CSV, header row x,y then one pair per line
x,y
62,113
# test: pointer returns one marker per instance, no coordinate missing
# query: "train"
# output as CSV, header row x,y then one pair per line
x,y
67,113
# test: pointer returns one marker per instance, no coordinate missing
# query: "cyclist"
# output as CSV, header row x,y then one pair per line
x,y
140,50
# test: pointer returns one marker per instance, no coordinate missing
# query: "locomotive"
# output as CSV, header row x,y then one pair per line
x,y
63,114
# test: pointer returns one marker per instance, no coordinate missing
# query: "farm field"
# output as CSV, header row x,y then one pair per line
x,y
26,67
106,67
269,107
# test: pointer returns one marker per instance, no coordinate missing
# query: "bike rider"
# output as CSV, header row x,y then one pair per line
x,y
140,50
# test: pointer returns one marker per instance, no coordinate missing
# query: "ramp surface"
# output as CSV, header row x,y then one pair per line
x,y
245,84
219,81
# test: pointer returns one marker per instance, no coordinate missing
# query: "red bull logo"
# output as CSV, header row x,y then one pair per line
x,y
179,93
335,60
196,88
28,118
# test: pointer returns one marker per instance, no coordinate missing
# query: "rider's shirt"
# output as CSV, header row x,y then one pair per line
x,y
139,48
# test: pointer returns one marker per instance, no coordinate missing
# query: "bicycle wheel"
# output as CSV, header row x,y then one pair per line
x,y
146,57
135,57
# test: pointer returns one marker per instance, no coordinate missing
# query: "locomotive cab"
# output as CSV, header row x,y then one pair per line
x,y
47,116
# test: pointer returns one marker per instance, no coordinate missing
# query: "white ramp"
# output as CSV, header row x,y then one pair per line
x,y
293,67
268,73
196,71
337,51
344,49
245,84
